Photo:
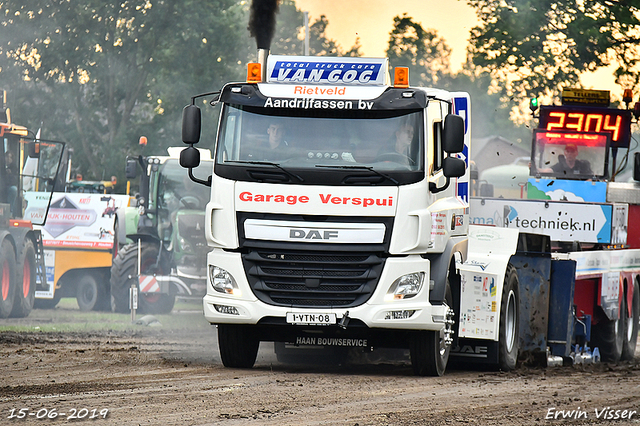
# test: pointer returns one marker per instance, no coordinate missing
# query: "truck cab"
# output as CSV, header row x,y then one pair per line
x,y
338,209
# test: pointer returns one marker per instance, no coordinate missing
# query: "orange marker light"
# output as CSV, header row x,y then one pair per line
x,y
21,223
627,96
401,77
254,72
142,140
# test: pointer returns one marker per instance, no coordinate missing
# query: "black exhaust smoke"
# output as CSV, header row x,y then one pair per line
x,y
262,22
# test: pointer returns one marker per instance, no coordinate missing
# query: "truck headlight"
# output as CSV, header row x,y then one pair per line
x,y
405,287
222,281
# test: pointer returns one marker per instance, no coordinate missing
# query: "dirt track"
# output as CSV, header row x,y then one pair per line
x,y
160,376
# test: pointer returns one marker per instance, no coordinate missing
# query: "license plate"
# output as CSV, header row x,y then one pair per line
x,y
310,319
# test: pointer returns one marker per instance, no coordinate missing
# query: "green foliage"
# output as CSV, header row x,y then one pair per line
x,y
427,56
541,46
99,74
288,39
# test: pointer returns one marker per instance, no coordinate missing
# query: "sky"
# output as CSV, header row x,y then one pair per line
x,y
372,21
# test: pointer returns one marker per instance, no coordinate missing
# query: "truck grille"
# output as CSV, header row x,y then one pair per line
x,y
312,279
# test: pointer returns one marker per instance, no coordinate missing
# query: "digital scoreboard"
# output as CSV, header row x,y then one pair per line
x,y
616,122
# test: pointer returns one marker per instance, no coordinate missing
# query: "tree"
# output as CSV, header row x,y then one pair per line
x,y
96,72
320,45
287,40
427,56
423,51
100,74
540,46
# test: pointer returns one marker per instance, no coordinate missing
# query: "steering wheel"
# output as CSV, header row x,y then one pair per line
x,y
395,157
190,202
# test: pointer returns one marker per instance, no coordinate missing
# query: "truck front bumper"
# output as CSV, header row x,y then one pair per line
x,y
380,311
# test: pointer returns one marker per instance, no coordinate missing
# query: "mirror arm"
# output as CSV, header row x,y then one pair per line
x,y
200,181
434,189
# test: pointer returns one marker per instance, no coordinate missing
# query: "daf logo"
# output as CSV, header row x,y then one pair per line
x,y
471,349
313,234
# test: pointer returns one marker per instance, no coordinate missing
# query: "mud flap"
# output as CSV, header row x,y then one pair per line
x,y
474,351
561,321
533,274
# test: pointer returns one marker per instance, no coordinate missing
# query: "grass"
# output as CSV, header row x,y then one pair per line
x,y
67,317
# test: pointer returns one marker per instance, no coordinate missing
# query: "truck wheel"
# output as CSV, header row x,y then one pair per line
x,y
8,276
608,336
25,294
429,350
631,325
124,272
508,344
89,293
238,345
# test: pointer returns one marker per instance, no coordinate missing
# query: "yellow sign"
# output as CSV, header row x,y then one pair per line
x,y
585,96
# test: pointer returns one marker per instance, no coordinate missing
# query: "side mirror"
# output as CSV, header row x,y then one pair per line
x,y
191,123
636,166
131,170
190,158
453,167
453,133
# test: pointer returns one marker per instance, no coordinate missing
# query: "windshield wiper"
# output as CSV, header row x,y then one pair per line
x,y
267,163
371,169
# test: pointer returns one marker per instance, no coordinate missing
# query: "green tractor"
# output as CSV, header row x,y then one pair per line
x,y
165,256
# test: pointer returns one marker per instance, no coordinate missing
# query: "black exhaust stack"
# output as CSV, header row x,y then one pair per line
x,y
262,26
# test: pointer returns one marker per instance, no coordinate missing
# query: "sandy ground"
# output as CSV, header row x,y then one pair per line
x,y
161,376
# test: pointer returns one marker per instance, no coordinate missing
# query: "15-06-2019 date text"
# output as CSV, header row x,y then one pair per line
x,y
53,413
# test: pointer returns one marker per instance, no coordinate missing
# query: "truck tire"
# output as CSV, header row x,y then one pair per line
x,y
8,277
608,336
509,335
91,293
25,293
429,350
631,325
238,345
124,272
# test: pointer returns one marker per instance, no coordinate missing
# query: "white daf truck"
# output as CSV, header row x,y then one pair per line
x,y
339,217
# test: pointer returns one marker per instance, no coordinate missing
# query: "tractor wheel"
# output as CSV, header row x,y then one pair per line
x,y
238,345
8,277
509,321
124,273
116,243
25,293
429,350
631,324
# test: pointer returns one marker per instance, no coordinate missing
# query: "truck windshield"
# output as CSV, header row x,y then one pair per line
x,y
177,191
385,141
569,155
